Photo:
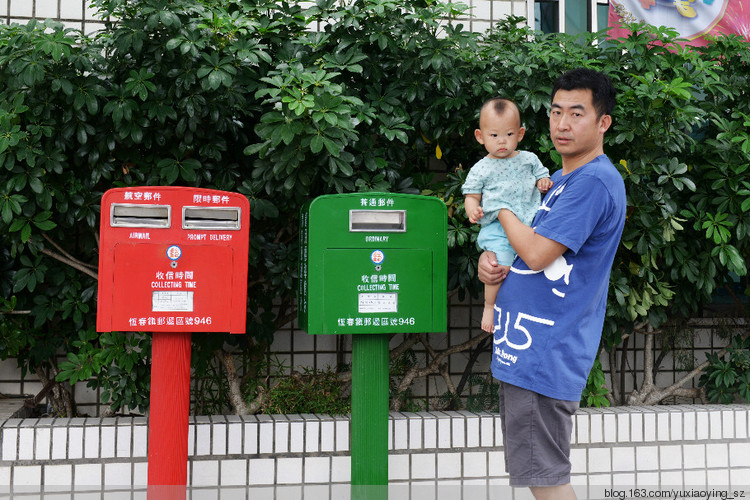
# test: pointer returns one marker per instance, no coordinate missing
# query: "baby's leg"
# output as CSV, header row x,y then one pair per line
x,y
488,314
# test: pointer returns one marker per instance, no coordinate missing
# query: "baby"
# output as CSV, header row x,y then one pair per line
x,y
505,178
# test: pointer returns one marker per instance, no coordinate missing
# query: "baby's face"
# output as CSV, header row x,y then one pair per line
x,y
499,133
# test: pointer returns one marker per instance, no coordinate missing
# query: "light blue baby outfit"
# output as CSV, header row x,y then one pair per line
x,y
505,183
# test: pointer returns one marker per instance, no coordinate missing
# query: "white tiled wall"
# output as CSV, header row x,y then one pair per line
x,y
76,14
79,13
463,320
678,446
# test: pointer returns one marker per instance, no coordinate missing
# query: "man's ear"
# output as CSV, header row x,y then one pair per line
x,y
605,122
478,136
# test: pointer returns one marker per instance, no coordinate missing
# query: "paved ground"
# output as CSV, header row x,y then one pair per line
x,y
10,406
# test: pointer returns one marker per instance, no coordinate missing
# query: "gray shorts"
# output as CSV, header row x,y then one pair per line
x,y
536,436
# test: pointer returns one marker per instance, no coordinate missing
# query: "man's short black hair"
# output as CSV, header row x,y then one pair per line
x,y
602,89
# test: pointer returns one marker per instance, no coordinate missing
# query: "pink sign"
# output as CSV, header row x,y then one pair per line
x,y
691,18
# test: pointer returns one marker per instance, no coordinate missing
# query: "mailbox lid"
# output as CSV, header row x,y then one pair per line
x,y
154,296
377,291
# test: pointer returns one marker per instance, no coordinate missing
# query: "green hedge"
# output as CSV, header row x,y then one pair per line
x,y
284,104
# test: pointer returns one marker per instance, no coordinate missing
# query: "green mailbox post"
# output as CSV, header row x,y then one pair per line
x,y
372,264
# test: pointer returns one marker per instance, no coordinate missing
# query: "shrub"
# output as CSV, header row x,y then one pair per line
x,y
244,96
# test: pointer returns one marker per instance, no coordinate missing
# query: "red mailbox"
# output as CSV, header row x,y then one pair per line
x,y
173,259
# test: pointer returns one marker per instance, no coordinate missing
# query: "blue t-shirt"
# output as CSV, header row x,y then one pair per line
x,y
548,323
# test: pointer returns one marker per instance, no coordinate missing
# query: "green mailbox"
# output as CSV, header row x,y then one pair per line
x,y
373,263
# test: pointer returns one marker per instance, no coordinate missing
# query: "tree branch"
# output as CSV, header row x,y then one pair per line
x,y
66,254
648,363
438,358
623,364
472,360
614,395
650,394
434,365
404,346
74,263
449,383
235,391
655,395
61,398
257,403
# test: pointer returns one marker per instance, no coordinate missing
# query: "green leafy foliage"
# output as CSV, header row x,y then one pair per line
x,y
314,391
727,378
487,397
595,392
250,96
115,362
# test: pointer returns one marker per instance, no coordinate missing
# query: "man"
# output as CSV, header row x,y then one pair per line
x,y
550,309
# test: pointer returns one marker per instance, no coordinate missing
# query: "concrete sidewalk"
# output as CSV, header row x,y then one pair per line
x,y
12,408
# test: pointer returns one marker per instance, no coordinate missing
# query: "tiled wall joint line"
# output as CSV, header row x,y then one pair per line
x,y
646,445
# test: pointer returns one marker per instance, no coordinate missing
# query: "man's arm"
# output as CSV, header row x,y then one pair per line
x,y
534,249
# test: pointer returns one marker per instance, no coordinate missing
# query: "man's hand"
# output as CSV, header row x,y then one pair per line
x,y
489,271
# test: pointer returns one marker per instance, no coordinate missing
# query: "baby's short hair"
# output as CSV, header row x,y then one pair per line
x,y
501,105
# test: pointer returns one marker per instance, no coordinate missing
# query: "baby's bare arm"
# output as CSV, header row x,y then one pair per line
x,y
544,184
473,206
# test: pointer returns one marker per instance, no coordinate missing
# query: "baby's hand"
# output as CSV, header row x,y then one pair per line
x,y
475,215
544,185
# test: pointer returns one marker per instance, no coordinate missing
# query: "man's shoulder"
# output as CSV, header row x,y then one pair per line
x,y
602,163
602,168
602,179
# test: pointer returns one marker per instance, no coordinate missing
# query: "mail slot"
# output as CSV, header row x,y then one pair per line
x,y
373,263
370,221
211,218
130,215
173,259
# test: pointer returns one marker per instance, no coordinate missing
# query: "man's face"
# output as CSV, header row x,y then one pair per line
x,y
574,127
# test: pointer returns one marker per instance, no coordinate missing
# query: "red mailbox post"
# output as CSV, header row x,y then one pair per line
x,y
172,260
